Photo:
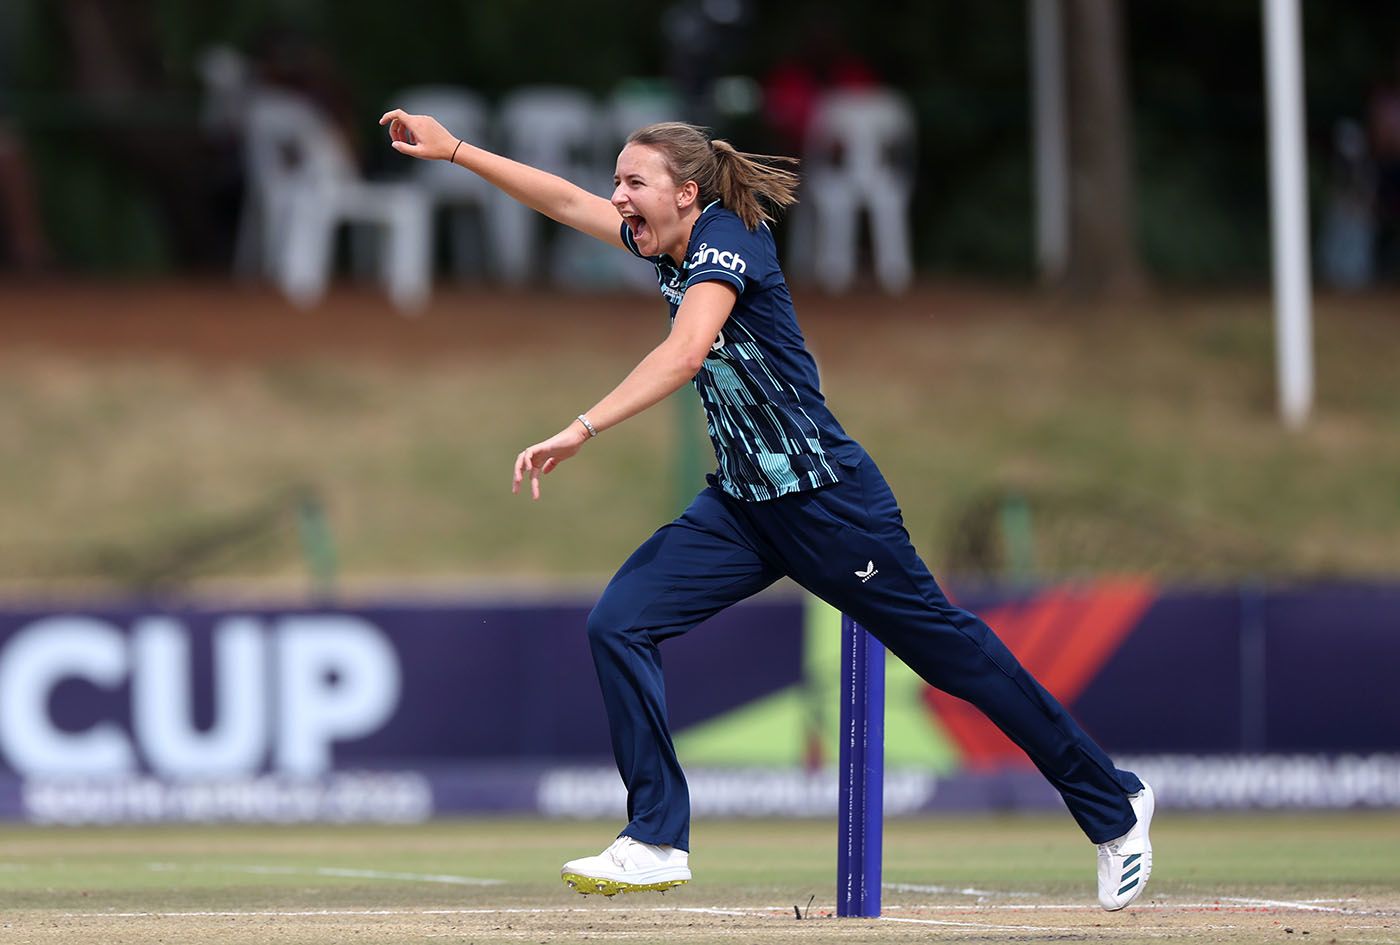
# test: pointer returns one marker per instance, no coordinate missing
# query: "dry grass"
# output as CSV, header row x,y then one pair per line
x,y
1142,440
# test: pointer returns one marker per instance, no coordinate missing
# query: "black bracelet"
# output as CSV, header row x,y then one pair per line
x,y
453,158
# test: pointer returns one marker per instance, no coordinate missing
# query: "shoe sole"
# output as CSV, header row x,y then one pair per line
x,y
588,885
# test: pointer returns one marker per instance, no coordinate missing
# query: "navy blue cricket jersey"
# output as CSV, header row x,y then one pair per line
x,y
768,422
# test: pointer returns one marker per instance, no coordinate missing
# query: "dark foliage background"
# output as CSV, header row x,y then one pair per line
x,y
112,162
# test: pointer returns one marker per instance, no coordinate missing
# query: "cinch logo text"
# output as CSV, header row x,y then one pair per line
x,y
731,261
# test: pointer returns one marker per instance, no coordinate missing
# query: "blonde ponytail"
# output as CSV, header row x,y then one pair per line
x,y
747,184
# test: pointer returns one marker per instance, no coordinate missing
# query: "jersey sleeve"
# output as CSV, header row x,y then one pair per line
x,y
729,252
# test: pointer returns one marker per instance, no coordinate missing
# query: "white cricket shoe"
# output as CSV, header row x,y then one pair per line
x,y
1125,863
628,866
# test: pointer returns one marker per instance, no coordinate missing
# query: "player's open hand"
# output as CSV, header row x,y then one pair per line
x,y
543,458
419,136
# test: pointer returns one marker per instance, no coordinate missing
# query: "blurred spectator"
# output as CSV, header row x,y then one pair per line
x,y
142,122
822,63
117,66
701,39
1384,130
288,59
1347,241
22,240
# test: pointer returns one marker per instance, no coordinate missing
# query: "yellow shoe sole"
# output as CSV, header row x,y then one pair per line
x,y
588,885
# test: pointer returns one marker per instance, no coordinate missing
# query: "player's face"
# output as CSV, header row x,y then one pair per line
x,y
650,201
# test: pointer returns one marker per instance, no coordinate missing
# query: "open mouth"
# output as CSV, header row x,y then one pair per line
x,y
636,223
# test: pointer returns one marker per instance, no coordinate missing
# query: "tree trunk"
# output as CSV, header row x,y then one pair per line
x,y
1103,257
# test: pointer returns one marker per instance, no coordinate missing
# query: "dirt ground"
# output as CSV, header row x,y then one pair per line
x,y
216,319
1197,923
224,321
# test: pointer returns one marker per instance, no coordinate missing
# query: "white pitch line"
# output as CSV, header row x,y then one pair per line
x,y
939,890
332,871
978,925
1221,905
313,913
764,912
710,910
1351,899
328,913
1283,904
308,913
408,877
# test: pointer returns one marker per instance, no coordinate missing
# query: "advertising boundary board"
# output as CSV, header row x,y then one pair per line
x,y
1246,698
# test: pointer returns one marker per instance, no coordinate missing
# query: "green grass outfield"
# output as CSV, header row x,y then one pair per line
x,y
1265,878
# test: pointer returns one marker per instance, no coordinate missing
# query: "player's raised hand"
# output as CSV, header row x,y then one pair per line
x,y
419,136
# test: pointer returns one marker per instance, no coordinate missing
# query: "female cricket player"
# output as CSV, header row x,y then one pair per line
x,y
793,495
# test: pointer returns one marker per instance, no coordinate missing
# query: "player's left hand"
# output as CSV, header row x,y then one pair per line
x,y
419,136
543,458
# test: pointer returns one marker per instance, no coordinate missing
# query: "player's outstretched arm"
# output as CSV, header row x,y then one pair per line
x,y
421,136
667,368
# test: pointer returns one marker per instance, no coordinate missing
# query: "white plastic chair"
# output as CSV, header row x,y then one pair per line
x,y
556,130
305,186
858,156
634,105
465,114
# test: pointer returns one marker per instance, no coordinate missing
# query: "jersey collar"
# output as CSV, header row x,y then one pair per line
x,y
680,264
712,205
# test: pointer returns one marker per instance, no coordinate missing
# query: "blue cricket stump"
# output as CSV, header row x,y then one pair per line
x,y
862,772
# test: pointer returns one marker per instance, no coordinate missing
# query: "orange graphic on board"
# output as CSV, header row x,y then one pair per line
x,y
1063,636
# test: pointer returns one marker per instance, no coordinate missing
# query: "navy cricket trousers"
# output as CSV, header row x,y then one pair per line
x,y
722,550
